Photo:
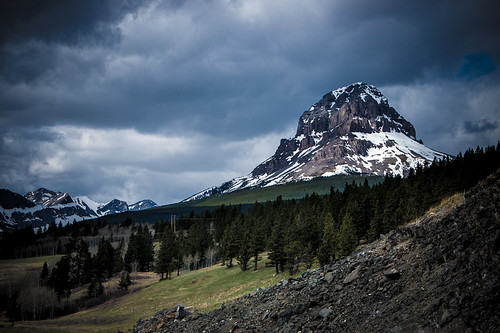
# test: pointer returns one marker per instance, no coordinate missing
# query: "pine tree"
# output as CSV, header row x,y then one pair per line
x,y
13,310
146,257
124,281
60,277
104,260
140,250
44,274
276,245
81,265
326,252
231,241
167,254
95,288
257,241
347,239
245,252
132,254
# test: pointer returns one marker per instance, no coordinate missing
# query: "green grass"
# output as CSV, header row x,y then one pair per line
x,y
17,268
205,289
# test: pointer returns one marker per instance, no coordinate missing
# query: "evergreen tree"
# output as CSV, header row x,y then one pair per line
x,y
276,245
132,253
326,252
60,277
95,288
168,253
118,257
293,250
146,258
244,252
257,241
231,241
104,260
199,240
140,249
13,309
347,239
81,264
44,274
124,281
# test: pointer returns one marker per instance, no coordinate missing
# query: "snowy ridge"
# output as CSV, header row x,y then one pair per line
x,y
85,202
40,208
143,204
351,130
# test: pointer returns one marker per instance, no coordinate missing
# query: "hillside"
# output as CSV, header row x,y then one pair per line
x,y
439,273
245,197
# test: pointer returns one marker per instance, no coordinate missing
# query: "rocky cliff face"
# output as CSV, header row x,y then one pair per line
x,y
48,198
440,273
357,108
351,130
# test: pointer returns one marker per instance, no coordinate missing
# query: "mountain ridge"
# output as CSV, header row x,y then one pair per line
x,y
41,207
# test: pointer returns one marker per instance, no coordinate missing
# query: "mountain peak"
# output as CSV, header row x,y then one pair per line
x,y
362,89
358,107
48,198
350,130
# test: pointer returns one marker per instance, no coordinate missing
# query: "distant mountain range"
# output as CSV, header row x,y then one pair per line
x,y
351,130
41,207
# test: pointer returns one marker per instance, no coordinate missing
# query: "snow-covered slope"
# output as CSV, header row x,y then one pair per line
x,y
351,130
143,204
42,207
19,211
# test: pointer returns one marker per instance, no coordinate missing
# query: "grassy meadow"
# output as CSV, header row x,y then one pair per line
x,y
205,289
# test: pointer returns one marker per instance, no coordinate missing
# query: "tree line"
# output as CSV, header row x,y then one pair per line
x,y
324,227
318,227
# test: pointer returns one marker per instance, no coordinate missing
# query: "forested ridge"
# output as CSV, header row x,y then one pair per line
x,y
293,232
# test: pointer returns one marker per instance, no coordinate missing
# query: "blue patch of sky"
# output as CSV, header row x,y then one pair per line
x,y
476,65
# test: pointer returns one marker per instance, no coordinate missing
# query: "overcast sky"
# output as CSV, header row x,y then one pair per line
x,y
159,99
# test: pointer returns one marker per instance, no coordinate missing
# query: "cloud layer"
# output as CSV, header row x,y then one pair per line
x,y
161,99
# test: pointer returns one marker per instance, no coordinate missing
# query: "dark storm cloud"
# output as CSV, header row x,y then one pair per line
x,y
226,71
232,63
67,22
479,126
27,25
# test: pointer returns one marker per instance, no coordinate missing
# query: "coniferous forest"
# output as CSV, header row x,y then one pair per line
x,y
292,232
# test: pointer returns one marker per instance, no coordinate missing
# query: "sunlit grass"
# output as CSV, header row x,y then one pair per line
x,y
205,289
17,268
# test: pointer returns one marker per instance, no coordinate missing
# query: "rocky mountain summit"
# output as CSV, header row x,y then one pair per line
x,y
439,273
351,130
48,198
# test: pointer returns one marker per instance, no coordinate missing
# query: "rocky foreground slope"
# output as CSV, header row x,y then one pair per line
x,y
440,273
